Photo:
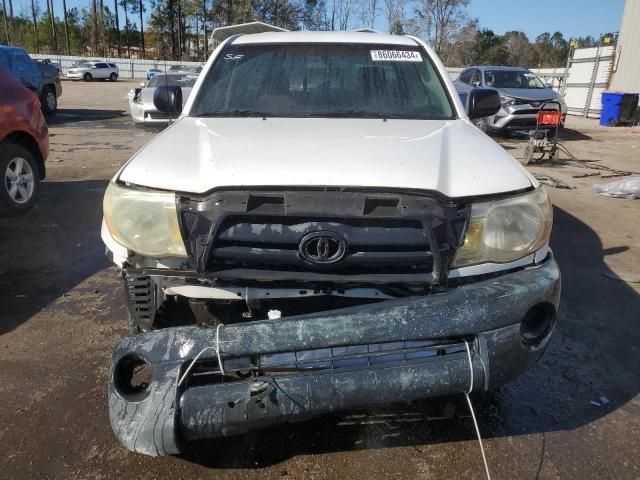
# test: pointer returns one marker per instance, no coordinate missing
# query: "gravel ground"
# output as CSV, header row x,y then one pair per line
x,y
61,312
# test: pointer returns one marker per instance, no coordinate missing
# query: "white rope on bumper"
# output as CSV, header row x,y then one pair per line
x,y
216,348
473,414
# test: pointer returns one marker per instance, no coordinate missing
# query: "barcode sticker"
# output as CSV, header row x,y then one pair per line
x,y
395,56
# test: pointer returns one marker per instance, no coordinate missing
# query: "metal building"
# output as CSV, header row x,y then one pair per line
x,y
626,67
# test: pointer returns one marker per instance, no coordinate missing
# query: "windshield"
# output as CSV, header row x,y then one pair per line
x,y
323,80
172,80
512,79
85,65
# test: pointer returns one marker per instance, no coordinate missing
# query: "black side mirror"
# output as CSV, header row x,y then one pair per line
x,y
168,99
483,102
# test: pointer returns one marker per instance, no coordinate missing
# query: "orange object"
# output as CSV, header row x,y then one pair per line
x,y
549,117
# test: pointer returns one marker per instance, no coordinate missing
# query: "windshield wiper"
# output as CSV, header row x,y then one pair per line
x,y
235,113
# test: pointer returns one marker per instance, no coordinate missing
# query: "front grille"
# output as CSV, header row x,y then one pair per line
x,y
264,233
533,103
528,111
392,245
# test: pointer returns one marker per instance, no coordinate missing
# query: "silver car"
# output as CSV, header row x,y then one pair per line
x,y
141,106
522,94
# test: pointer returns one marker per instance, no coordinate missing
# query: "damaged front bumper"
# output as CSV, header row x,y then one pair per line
x,y
392,351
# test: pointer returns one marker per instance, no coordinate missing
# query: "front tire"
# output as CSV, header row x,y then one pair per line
x,y
48,100
87,77
20,180
113,77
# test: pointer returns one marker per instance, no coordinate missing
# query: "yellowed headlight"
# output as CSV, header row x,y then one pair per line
x,y
144,222
506,230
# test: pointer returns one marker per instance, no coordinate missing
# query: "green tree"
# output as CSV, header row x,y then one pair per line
x,y
489,49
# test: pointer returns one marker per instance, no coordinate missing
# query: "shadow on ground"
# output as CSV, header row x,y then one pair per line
x,y
596,336
50,249
74,115
564,135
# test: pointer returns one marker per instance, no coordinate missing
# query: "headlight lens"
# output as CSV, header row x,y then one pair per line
x,y
506,101
503,231
145,222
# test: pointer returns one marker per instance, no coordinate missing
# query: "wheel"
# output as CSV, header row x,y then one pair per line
x,y
528,154
482,124
21,182
113,77
554,156
48,100
87,77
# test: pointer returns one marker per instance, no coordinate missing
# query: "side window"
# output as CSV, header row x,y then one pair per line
x,y
489,79
477,78
465,76
101,65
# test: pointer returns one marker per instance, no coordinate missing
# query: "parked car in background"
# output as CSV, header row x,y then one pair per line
x,y
53,89
24,146
89,71
151,72
141,106
48,61
522,94
42,79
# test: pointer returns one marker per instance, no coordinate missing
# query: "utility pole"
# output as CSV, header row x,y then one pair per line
x,y
48,15
204,29
179,29
6,26
35,24
11,19
115,7
53,29
142,29
103,36
94,9
373,13
66,26
172,29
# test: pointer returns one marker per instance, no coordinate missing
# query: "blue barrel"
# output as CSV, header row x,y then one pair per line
x,y
618,108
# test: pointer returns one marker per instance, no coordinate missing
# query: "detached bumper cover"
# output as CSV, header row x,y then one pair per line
x,y
486,313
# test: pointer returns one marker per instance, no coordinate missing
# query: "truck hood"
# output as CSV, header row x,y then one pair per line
x,y
196,155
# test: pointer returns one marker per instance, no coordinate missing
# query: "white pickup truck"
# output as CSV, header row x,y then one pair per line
x,y
322,228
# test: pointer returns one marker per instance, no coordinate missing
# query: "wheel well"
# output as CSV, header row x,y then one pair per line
x,y
27,141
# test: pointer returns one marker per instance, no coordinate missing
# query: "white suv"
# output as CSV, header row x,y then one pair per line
x,y
322,228
89,71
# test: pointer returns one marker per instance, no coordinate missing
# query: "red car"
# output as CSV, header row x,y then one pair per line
x,y
24,146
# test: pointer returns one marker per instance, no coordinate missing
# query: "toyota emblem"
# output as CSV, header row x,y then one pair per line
x,y
322,248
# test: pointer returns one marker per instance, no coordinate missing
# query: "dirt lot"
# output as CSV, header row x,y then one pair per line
x,y
61,312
